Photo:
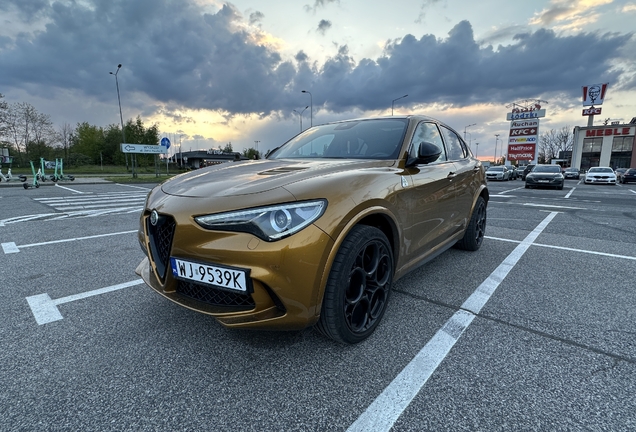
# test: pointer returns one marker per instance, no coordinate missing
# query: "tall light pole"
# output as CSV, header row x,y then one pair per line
x,y
121,117
476,149
300,114
496,141
466,127
256,142
311,111
393,102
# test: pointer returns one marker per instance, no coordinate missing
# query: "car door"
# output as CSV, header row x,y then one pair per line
x,y
428,197
466,182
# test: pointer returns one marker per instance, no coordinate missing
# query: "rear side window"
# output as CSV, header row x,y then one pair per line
x,y
453,144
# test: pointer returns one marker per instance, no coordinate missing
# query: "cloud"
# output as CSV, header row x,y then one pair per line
x,y
569,14
426,4
256,17
319,4
323,26
213,60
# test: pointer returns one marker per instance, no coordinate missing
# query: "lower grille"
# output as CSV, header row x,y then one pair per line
x,y
213,296
160,236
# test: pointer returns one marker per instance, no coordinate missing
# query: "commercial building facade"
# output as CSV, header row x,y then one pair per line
x,y
607,145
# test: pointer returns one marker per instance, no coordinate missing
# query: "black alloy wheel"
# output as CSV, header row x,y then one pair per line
x,y
476,230
359,286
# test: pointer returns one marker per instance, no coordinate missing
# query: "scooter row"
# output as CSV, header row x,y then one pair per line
x,y
39,176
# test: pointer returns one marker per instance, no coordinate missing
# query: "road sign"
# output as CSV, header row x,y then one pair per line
x,y
165,142
143,148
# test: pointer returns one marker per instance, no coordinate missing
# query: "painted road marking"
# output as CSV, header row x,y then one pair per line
x,y
569,193
11,247
68,189
553,206
136,187
45,309
611,255
389,405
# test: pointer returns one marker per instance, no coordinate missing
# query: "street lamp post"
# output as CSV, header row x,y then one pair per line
x,y
496,142
300,114
256,143
311,111
476,149
393,102
466,127
121,117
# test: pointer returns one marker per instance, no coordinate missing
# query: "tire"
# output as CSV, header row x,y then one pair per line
x,y
560,187
359,286
26,186
476,230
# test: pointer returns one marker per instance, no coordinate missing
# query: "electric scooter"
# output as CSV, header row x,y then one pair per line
x,y
36,178
56,177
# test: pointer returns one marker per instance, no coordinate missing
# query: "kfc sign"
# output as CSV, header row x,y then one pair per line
x,y
594,94
591,111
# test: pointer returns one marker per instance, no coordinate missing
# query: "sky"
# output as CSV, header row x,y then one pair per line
x,y
208,72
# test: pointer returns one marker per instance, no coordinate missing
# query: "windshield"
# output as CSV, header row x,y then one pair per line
x,y
571,169
495,169
547,169
359,139
597,169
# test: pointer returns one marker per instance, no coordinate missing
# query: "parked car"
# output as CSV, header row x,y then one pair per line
x,y
317,232
526,170
545,176
513,172
572,173
619,172
498,172
600,175
628,176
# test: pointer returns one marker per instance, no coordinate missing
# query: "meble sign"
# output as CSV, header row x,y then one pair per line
x,y
607,132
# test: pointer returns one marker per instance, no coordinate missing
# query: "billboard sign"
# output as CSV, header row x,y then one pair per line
x,y
521,152
594,94
522,139
143,148
591,111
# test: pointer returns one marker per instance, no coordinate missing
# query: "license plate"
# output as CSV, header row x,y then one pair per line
x,y
223,277
544,181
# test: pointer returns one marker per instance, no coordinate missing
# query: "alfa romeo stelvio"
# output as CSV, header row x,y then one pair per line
x,y
318,231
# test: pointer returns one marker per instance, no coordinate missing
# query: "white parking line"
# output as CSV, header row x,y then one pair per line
x,y
11,247
611,255
131,186
45,309
389,405
553,206
69,189
570,193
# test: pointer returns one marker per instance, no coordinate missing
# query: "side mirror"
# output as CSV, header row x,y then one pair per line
x,y
426,153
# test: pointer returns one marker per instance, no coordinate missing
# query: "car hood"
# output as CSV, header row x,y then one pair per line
x,y
243,178
543,174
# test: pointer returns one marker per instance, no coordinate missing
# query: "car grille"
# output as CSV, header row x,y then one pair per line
x,y
160,236
213,296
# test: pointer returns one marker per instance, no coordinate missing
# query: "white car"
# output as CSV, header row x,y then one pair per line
x,y
499,172
600,175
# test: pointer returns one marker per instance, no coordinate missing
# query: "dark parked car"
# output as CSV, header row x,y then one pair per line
x,y
628,176
317,232
572,173
545,176
514,174
526,170
619,172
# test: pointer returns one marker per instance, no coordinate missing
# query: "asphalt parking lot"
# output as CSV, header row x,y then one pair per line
x,y
535,331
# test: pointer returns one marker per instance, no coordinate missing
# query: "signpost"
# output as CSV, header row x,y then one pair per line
x,y
165,142
142,148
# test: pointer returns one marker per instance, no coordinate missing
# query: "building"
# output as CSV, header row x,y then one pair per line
x,y
607,145
203,158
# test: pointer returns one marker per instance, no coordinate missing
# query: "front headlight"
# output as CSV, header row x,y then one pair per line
x,y
267,223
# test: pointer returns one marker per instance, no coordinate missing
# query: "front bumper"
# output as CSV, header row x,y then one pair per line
x,y
600,180
544,181
287,276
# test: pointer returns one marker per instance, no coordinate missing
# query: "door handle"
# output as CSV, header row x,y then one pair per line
x,y
451,175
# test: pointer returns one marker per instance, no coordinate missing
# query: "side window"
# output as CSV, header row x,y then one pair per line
x,y
427,132
453,144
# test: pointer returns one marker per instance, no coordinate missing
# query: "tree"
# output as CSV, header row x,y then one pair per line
x,y
552,142
65,135
251,153
228,148
25,127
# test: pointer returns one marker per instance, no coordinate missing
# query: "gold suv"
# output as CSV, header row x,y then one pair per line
x,y
318,231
